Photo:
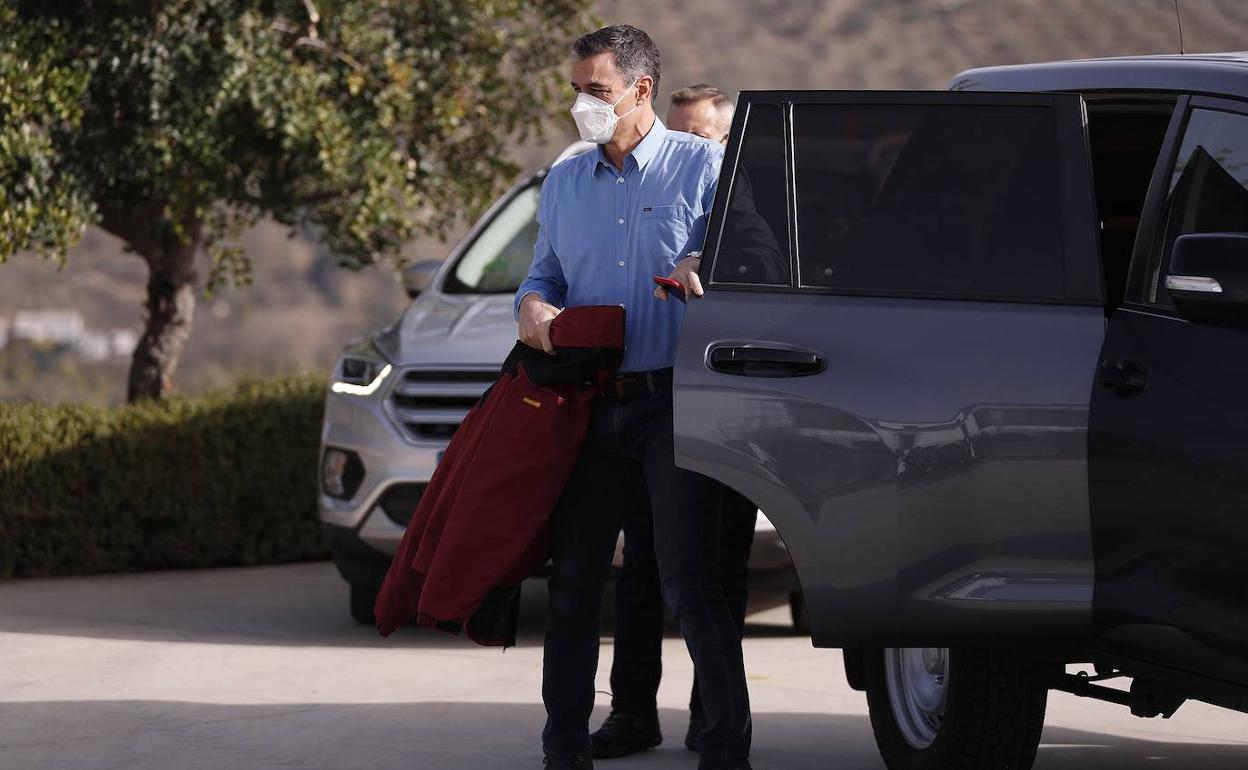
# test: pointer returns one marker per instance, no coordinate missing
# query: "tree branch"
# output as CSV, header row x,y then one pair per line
x,y
314,17
321,45
311,38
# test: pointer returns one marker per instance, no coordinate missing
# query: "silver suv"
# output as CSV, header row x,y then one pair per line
x,y
398,394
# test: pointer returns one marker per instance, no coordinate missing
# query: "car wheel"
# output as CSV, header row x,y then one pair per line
x,y
933,707
362,600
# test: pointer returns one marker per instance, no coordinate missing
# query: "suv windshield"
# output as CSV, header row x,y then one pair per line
x,y
498,259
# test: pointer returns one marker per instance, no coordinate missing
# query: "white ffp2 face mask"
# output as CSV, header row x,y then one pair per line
x,y
595,119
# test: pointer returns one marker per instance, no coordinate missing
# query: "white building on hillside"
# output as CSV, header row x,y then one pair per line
x,y
99,344
66,327
59,326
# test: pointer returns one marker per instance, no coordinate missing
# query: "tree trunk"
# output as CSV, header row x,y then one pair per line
x,y
170,297
170,312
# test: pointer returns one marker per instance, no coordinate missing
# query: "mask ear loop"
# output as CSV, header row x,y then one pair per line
x,y
634,107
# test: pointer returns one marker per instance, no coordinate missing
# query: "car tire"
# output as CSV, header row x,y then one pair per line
x,y
362,600
960,709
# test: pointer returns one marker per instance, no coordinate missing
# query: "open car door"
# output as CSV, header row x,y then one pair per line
x,y
895,357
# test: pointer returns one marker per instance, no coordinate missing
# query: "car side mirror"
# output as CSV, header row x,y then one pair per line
x,y
417,276
1208,278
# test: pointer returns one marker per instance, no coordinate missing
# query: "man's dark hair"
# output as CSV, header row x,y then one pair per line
x,y
635,53
702,92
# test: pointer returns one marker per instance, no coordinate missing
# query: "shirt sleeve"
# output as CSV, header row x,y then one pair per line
x,y
545,276
710,179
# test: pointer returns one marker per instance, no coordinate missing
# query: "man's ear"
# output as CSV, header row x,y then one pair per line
x,y
645,89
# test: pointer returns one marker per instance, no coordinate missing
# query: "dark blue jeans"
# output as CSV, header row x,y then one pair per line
x,y
637,664
628,451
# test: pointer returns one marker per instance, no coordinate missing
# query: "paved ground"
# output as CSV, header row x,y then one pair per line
x,y
262,668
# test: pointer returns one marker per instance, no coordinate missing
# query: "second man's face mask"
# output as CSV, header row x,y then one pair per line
x,y
595,119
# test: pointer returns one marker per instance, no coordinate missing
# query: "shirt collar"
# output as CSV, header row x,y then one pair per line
x,y
645,150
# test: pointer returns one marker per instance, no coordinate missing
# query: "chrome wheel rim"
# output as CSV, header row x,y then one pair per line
x,y
918,680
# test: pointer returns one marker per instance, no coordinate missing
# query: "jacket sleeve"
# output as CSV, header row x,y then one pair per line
x,y
545,276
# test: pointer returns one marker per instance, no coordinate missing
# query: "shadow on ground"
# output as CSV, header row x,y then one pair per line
x,y
451,736
286,605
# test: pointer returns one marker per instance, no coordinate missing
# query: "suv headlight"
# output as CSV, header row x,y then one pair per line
x,y
361,369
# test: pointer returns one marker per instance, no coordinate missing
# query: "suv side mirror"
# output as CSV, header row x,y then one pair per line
x,y
417,277
1208,278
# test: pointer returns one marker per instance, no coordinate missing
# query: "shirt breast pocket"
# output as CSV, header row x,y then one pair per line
x,y
664,231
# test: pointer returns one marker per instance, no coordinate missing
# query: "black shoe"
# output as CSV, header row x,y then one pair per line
x,y
567,762
624,734
696,723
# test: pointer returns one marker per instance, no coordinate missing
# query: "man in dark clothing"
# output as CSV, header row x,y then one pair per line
x,y
633,725
608,221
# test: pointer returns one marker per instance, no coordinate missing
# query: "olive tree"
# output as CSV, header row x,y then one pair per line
x,y
175,124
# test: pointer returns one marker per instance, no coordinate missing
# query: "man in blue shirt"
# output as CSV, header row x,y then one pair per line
x,y
609,220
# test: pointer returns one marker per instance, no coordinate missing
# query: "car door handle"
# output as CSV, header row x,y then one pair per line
x,y
752,361
1124,378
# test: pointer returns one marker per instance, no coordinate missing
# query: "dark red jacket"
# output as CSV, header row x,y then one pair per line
x,y
482,521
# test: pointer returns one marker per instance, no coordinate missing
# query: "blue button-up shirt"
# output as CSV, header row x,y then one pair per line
x,y
604,234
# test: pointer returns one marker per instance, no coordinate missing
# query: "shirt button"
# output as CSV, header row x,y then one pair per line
x,y
620,180
621,263
619,221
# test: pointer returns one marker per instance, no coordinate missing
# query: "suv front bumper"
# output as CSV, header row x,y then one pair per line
x,y
363,538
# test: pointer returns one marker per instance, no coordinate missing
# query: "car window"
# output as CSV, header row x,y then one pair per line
x,y
498,259
754,242
917,199
1208,190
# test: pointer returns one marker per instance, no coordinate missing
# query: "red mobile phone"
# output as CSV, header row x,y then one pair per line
x,y
674,288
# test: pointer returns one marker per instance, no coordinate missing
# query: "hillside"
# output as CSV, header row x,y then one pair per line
x,y
301,308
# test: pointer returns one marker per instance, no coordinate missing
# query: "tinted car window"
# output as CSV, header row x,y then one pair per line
x,y
754,241
499,257
926,200
1209,185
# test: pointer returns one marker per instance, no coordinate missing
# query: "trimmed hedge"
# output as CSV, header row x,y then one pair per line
x,y
223,479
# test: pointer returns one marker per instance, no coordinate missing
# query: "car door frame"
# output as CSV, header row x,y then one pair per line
x,y
1135,621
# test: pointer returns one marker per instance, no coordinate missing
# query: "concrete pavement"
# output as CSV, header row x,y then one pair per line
x,y
263,668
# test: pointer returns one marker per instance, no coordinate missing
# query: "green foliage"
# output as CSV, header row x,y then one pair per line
x,y
224,479
373,120
42,207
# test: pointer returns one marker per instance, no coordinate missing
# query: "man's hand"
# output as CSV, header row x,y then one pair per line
x,y
535,317
685,272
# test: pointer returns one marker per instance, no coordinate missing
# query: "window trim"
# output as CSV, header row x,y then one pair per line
x,y
790,193
1147,257
787,100
746,101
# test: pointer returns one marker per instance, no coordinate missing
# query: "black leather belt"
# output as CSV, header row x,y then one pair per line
x,y
634,384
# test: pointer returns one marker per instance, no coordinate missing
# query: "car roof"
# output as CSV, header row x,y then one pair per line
x,y
1216,74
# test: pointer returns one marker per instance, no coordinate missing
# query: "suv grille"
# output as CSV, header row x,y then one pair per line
x,y
430,405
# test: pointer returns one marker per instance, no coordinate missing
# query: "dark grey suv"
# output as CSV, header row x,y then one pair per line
x,y
981,356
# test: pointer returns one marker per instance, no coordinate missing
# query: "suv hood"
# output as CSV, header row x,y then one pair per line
x,y
449,330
